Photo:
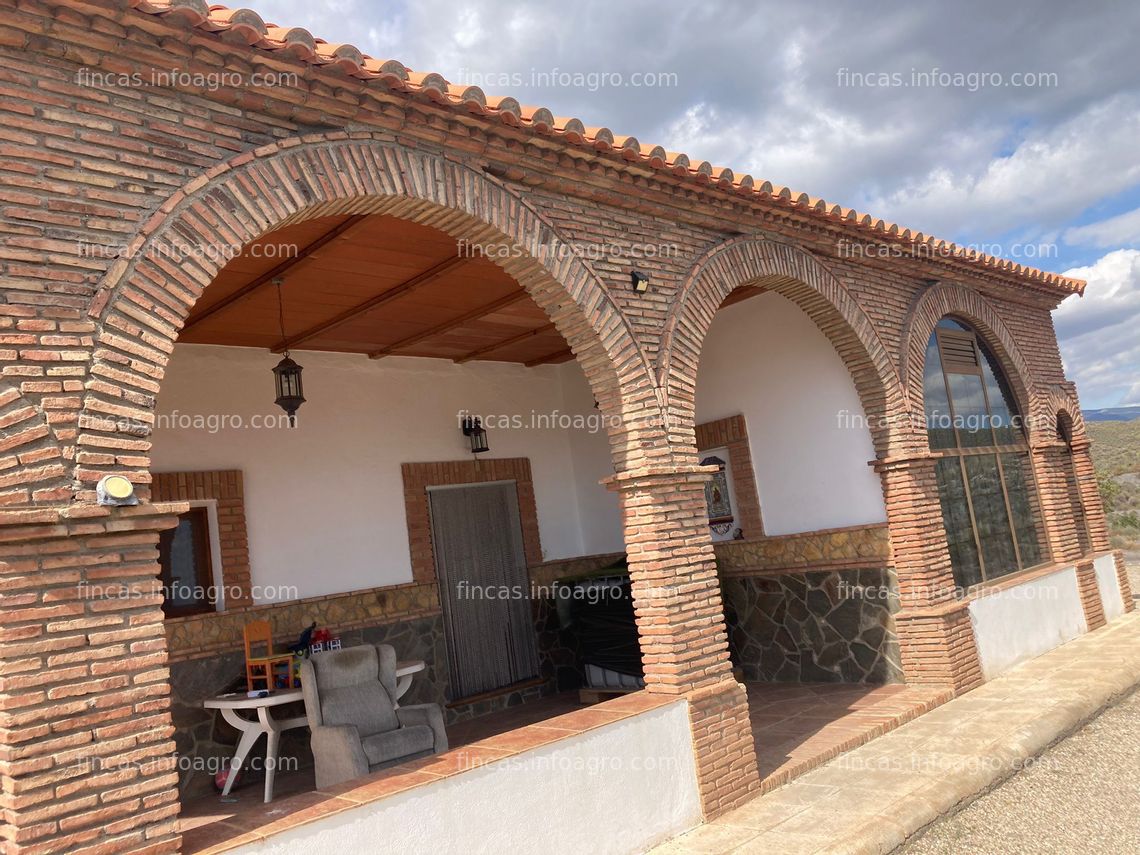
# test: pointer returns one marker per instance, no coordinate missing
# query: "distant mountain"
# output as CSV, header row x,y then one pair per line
x,y
1112,414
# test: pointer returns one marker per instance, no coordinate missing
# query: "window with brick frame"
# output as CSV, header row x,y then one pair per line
x,y
186,564
731,435
986,486
225,489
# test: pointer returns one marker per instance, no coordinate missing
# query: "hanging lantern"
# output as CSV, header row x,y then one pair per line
x,y
290,394
473,430
287,373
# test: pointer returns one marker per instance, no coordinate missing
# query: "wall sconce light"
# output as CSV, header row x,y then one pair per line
x,y
115,490
639,281
476,435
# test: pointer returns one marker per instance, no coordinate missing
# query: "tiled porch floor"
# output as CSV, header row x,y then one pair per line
x,y
797,727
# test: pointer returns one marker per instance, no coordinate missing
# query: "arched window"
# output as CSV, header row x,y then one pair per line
x,y
985,481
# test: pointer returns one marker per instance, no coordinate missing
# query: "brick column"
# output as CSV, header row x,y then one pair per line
x,y
1061,512
1063,509
1085,474
936,641
680,619
1090,595
86,748
1125,584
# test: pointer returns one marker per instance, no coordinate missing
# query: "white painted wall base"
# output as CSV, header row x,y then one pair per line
x,y
1108,584
615,789
1022,622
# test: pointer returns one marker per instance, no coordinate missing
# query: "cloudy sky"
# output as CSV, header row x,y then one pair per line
x,y
1016,130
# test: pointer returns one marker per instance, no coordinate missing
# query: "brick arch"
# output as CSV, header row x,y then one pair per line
x,y
936,302
144,299
802,278
1060,402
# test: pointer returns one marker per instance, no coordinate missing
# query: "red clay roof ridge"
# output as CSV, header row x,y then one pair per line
x,y
246,25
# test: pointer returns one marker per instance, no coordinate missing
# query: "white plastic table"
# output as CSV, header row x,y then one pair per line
x,y
404,673
252,728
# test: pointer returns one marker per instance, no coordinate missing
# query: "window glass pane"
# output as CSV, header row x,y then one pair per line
x,y
1018,485
990,516
185,564
951,324
970,414
939,428
956,519
1002,406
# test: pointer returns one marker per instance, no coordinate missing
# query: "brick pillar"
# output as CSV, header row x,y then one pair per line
x,y
1090,595
936,641
680,620
1125,584
1061,512
86,748
1085,474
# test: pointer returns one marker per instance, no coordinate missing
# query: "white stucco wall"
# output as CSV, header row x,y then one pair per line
x,y
810,446
1023,621
598,509
324,501
616,789
1108,583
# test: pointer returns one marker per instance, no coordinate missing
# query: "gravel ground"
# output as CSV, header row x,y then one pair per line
x,y
1079,798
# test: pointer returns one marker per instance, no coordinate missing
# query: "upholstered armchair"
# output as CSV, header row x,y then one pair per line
x,y
357,725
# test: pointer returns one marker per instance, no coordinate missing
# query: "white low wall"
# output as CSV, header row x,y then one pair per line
x,y
1021,622
1108,583
615,789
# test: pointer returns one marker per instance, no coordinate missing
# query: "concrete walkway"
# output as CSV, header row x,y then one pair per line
x,y
872,799
1068,801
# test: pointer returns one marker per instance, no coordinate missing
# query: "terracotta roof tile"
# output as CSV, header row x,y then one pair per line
x,y
245,25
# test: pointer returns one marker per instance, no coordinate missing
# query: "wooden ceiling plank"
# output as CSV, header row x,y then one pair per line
x,y
466,317
557,356
742,294
405,287
303,257
475,354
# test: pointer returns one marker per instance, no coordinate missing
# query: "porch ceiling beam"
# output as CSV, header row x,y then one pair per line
x,y
515,339
438,329
371,304
557,356
741,294
303,257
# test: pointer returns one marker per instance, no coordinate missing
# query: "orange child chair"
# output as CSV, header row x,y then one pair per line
x,y
262,665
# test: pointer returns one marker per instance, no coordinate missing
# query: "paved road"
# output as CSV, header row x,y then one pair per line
x,y
1079,798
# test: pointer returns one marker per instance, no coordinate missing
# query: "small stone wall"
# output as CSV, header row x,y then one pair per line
x,y
826,549
827,626
217,633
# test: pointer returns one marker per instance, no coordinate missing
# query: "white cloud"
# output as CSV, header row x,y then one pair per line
x,y
1098,333
1052,175
1121,230
758,89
